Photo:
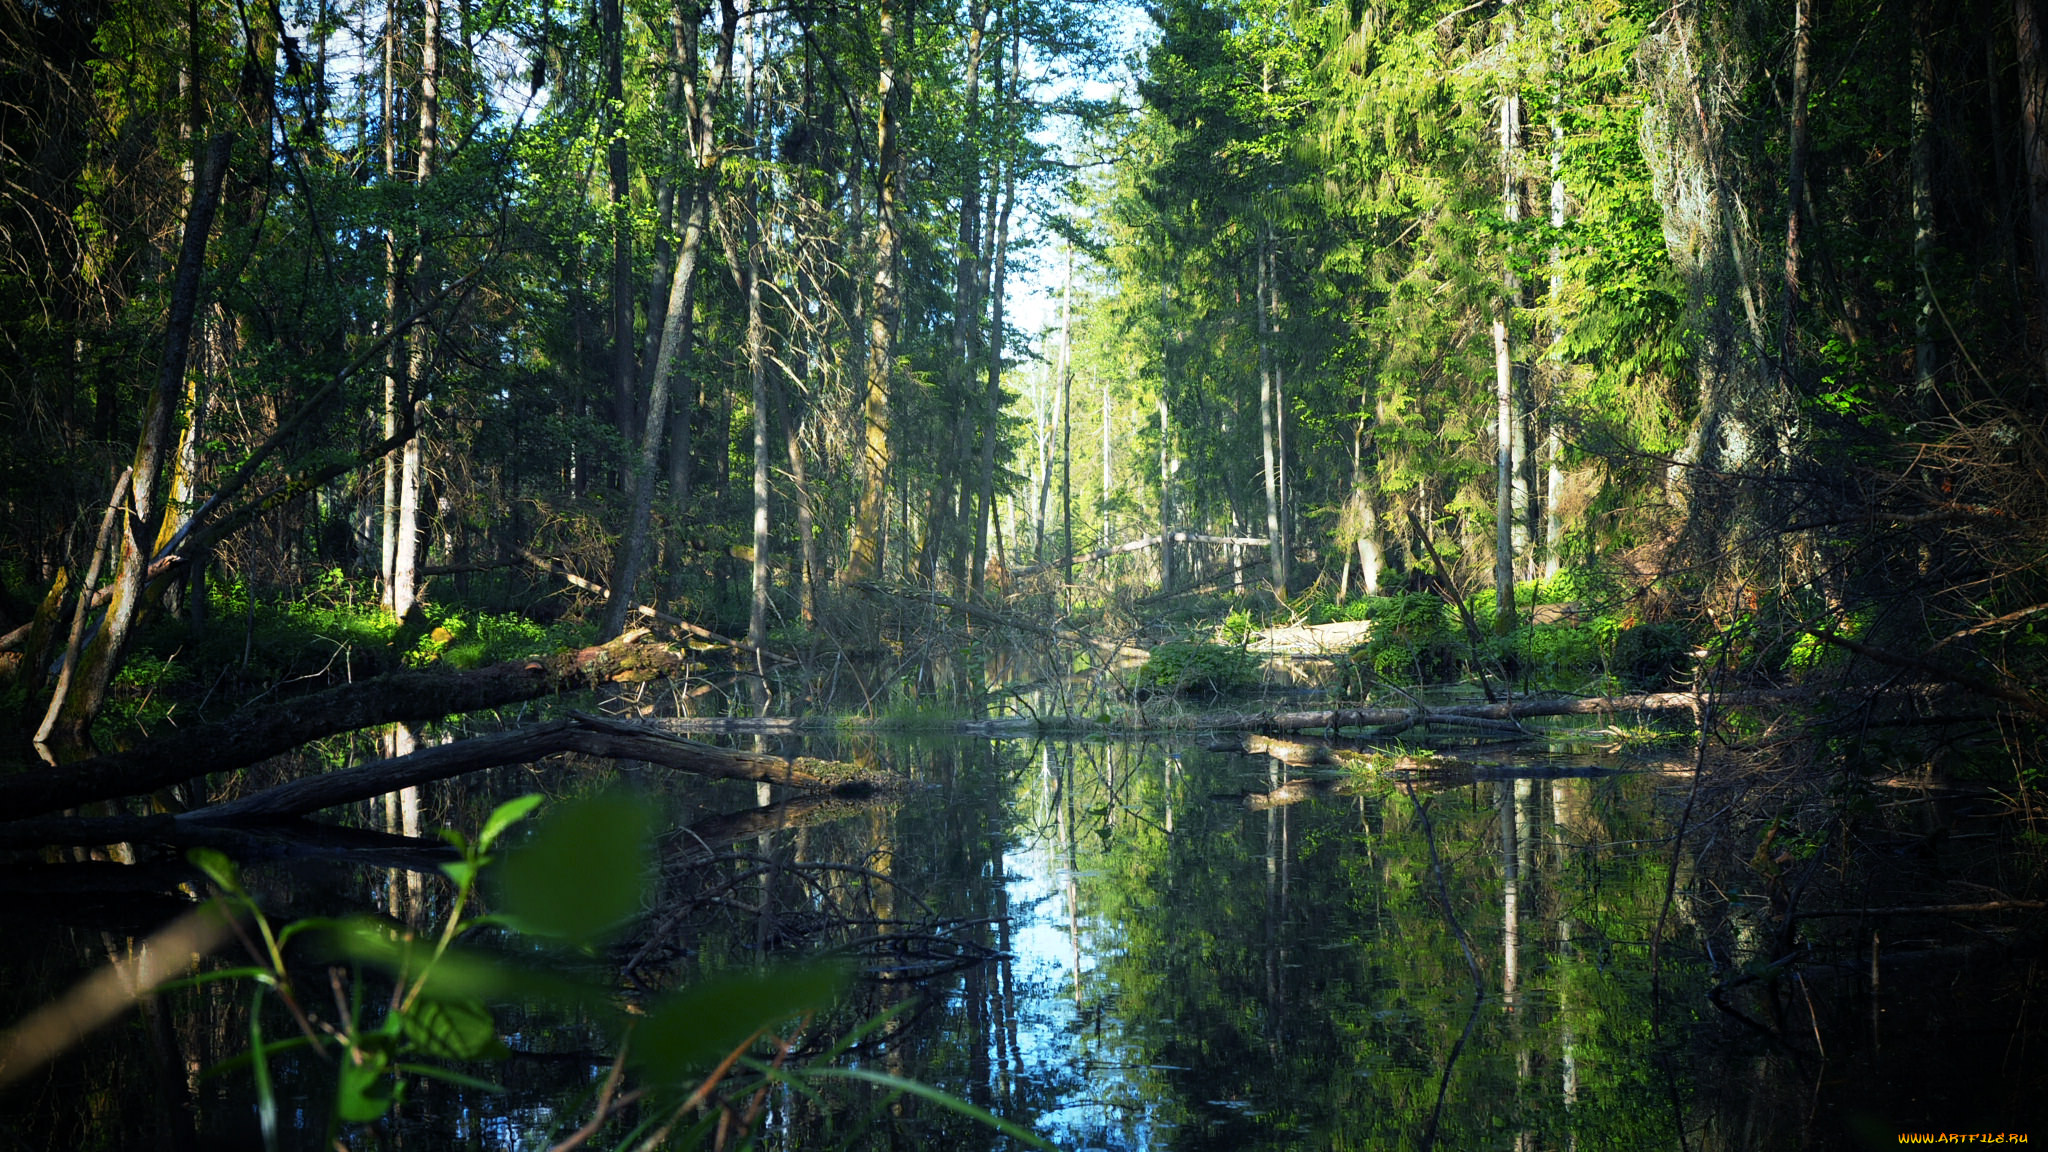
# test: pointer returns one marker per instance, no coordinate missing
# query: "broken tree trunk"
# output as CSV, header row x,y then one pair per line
x,y
258,733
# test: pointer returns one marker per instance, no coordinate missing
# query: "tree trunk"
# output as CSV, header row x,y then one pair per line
x,y
619,172
405,557
632,554
864,560
1795,183
1268,406
1066,370
1923,198
1553,528
807,545
991,418
1503,361
395,387
757,377
2034,142
1104,532
138,529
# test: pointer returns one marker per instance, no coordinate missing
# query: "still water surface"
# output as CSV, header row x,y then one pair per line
x,y
1181,962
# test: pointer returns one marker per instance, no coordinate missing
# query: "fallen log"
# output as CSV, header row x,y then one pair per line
x,y
1929,909
1505,712
258,732
248,824
590,735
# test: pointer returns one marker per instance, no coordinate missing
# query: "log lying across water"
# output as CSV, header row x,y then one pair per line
x,y
1477,715
262,730
590,735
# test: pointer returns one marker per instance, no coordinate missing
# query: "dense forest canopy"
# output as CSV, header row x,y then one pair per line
x,y
1729,313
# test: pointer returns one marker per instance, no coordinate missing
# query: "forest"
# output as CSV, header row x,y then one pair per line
x,y
397,395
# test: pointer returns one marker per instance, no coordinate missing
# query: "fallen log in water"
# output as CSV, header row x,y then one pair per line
x,y
262,730
591,735
1466,714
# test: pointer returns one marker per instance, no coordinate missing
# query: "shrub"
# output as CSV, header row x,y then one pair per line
x,y
1411,640
1194,666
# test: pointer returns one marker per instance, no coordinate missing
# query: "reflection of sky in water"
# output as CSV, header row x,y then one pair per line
x,y
1055,1039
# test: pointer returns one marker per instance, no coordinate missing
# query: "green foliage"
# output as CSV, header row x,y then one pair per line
x,y
1188,667
146,691
582,874
1412,640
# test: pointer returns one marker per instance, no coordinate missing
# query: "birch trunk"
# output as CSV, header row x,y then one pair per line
x,y
1504,365
405,556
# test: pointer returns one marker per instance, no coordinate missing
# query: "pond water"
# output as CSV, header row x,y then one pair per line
x,y
1141,945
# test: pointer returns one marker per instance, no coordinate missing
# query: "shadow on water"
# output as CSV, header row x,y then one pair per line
x,y
1109,941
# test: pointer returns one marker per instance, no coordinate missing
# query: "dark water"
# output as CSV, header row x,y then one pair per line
x,y
1108,943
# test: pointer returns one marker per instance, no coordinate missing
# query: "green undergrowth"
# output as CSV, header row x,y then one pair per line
x,y
1198,667
253,641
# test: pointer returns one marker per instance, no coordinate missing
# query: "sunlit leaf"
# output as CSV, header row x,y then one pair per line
x,y
218,868
454,1030
504,816
692,1029
583,871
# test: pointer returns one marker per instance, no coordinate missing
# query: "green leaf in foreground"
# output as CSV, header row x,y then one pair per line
x,y
583,871
459,973
690,1030
459,1029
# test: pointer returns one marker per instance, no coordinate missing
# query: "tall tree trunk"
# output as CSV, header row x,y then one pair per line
x,y
1505,429
808,573
682,55
1104,532
631,557
1268,409
1067,424
405,558
620,175
2034,142
138,529
864,560
1795,182
1553,529
991,414
1923,198
395,388
944,546
757,378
